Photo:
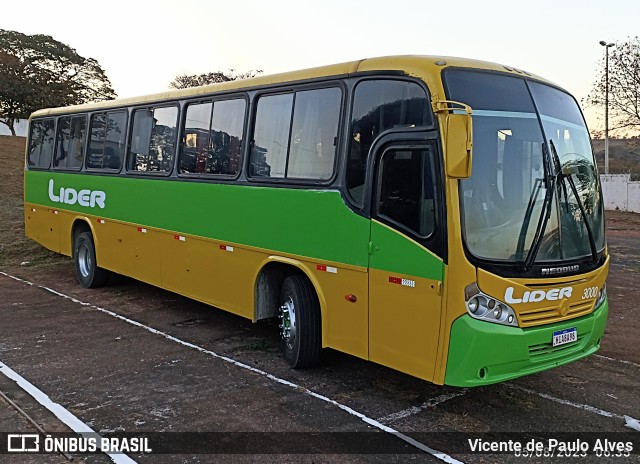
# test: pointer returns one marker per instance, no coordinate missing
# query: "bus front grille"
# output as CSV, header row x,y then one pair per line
x,y
540,351
542,316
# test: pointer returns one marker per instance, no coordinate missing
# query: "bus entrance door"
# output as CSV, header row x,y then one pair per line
x,y
405,277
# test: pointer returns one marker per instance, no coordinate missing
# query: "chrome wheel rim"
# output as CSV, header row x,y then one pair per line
x,y
288,327
84,260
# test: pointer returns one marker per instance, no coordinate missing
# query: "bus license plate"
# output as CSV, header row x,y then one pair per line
x,y
565,336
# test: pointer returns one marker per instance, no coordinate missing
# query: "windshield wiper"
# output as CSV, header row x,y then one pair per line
x,y
550,184
537,186
572,186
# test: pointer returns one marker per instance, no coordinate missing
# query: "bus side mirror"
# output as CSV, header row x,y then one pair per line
x,y
458,137
459,143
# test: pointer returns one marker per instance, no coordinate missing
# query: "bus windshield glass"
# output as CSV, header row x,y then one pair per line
x,y
534,194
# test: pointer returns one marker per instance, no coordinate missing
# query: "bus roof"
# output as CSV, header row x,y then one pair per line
x,y
427,68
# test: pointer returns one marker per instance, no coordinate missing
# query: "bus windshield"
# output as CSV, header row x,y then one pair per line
x,y
534,195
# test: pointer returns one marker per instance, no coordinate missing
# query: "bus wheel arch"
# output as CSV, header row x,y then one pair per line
x,y
284,288
79,225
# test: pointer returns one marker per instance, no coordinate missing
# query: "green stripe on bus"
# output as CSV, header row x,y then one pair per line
x,y
311,223
395,253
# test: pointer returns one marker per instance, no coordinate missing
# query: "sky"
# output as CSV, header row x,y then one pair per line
x,y
142,45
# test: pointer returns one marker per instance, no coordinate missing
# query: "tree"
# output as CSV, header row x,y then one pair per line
x,y
37,71
624,86
184,81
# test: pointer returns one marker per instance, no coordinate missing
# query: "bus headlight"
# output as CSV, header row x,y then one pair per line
x,y
601,295
486,308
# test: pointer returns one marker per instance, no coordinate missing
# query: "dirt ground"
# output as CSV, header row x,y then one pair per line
x,y
89,356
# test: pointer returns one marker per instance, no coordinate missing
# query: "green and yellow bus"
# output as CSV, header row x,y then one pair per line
x,y
344,201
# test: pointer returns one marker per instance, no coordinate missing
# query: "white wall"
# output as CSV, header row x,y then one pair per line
x,y
620,192
633,202
20,127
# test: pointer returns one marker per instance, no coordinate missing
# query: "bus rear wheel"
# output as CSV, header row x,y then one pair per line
x,y
300,328
84,256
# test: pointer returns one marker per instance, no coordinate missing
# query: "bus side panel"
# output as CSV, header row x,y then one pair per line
x,y
181,269
405,282
208,241
211,272
130,250
42,225
110,249
345,322
143,249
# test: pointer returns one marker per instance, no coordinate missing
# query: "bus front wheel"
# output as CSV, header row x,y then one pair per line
x,y
300,329
84,256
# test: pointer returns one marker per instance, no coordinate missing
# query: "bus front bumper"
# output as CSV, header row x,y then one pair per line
x,y
482,353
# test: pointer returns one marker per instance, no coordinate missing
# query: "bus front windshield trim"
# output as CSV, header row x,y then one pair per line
x,y
533,196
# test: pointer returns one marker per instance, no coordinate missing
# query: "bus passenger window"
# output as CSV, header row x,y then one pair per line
x,y
212,138
271,136
302,146
226,137
41,141
115,139
107,138
195,138
70,142
315,130
380,105
153,141
406,190
96,141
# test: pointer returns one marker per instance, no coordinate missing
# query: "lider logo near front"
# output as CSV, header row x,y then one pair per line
x,y
538,295
70,196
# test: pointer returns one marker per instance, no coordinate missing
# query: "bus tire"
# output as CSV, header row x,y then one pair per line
x,y
84,257
300,328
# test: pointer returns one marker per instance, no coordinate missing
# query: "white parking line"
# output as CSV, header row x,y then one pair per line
x,y
629,363
430,403
629,421
59,411
421,446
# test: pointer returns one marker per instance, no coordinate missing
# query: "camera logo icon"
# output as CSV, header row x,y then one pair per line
x,y
23,443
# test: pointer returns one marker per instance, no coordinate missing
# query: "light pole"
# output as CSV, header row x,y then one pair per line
x,y
606,105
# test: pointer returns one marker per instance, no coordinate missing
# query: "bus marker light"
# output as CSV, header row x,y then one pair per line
x,y
351,298
33,209
226,248
142,229
403,282
100,221
182,238
55,211
323,268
